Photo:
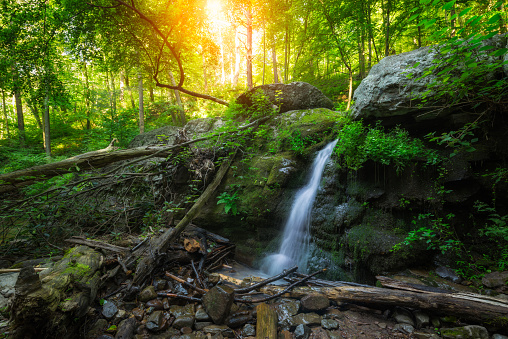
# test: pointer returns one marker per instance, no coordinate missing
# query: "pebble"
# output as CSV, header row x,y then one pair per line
x,y
302,332
148,293
109,309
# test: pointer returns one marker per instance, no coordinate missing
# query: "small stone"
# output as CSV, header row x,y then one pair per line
x,y
329,324
448,273
109,309
302,332
149,310
219,329
382,325
126,328
287,308
404,328
201,325
155,303
423,335
154,321
285,334
249,330
201,315
495,279
213,278
183,321
148,293
422,319
466,332
119,316
315,302
186,330
105,336
307,319
403,317
217,302
138,313
165,304
178,311
236,321
159,284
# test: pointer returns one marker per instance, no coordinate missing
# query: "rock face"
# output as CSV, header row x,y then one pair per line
x,y
388,91
293,96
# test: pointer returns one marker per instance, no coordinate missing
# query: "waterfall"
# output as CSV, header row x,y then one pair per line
x,y
296,237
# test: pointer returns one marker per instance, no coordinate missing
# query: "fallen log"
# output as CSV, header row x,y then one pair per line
x,y
93,160
469,307
161,244
97,244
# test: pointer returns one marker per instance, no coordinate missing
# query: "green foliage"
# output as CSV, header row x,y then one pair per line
x,y
230,202
461,140
358,143
299,143
498,224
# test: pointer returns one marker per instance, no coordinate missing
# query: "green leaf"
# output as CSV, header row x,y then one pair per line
x,y
435,2
454,17
449,5
465,11
424,2
499,52
472,65
430,23
414,16
494,19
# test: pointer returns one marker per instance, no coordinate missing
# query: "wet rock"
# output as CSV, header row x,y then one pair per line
x,y
100,326
28,281
307,319
315,302
285,334
178,311
288,308
219,329
249,330
154,321
499,336
329,324
495,279
186,330
319,333
105,336
302,332
422,319
148,293
159,284
165,304
403,317
119,316
7,283
201,315
423,335
404,328
182,321
201,325
448,273
149,310
466,332
126,329
155,303
138,313
109,309
236,321
217,303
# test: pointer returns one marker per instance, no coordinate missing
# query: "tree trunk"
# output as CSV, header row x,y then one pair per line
x,y
249,45
6,118
237,58
21,120
266,323
113,92
205,79
87,97
452,21
274,61
223,72
469,307
286,54
141,110
35,113
387,26
127,84
264,52
46,123
183,121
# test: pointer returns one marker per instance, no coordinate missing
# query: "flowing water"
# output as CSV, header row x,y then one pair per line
x,y
296,237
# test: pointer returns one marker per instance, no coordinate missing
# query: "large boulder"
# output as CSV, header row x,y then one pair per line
x,y
389,90
293,96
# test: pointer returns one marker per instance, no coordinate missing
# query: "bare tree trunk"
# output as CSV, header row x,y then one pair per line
x,y
122,87
387,24
35,113
452,21
47,129
127,84
141,110
286,54
113,92
237,58
223,73
274,61
21,120
178,100
205,79
264,52
87,97
6,119
249,46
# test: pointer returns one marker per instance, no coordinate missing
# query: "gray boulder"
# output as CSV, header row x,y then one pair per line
x,y
293,96
389,91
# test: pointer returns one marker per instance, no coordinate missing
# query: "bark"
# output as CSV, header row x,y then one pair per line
x,y
237,58
6,119
274,61
469,307
387,24
266,325
87,97
249,46
113,92
148,261
183,121
141,109
35,113
127,84
21,119
46,123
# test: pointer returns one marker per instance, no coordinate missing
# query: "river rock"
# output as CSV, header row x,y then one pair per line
x,y
186,320
160,284
109,309
219,329
448,273
249,330
466,332
100,326
495,279
315,302
293,96
307,319
404,328
154,321
155,303
236,321
201,315
148,293
329,324
217,302
138,313
201,325
7,283
403,317
422,319
302,331
178,311
499,336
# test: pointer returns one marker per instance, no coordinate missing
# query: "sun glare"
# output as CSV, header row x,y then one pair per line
x,y
214,7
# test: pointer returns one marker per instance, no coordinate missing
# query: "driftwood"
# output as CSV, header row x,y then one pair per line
x,y
161,244
93,160
266,324
97,244
470,307
10,270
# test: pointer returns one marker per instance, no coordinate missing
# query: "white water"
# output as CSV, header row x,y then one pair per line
x,y
296,237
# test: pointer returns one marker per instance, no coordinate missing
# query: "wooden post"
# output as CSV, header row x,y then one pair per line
x,y
266,325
